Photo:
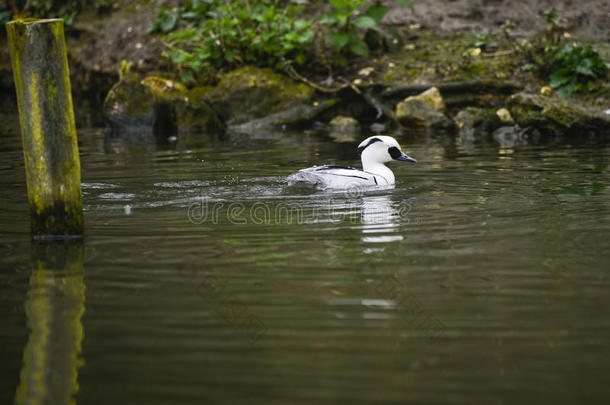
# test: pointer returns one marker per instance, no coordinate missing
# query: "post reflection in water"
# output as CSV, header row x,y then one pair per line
x,y
54,307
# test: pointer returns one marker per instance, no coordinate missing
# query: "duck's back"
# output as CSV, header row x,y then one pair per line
x,y
337,177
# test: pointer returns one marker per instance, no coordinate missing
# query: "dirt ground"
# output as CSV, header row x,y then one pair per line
x,y
586,19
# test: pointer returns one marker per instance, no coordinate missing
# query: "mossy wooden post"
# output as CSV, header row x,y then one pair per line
x,y
48,132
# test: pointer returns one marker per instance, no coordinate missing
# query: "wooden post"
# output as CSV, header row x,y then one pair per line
x,y
52,164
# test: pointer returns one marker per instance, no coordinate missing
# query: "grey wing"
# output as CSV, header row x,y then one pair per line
x,y
332,177
305,176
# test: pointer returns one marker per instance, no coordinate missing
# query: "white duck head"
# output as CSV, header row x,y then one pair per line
x,y
379,150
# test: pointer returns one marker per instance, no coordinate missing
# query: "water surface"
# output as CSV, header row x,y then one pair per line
x,y
482,277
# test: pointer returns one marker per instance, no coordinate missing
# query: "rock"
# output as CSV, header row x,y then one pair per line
x,y
159,106
546,91
552,115
475,123
160,85
194,114
130,104
344,129
366,72
296,116
378,128
344,124
509,137
433,98
250,93
425,109
505,116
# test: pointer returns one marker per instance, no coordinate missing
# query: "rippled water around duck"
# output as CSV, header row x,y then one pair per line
x,y
481,278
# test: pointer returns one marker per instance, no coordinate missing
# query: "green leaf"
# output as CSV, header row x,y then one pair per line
x,y
189,15
359,47
195,65
340,4
5,16
186,77
201,53
585,70
306,37
558,79
229,56
291,36
178,57
338,40
329,19
189,34
377,12
565,91
342,17
301,25
527,67
365,22
169,23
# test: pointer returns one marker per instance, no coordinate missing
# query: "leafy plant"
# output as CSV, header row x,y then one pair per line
x,y
167,19
47,8
569,68
203,36
346,21
5,16
67,10
214,34
575,67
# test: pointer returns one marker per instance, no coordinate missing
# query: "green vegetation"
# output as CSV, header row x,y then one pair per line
x,y
66,10
207,36
345,22
5,16
575,67
569,67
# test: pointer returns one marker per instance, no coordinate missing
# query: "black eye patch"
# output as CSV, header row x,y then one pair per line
x,y
394,152
372,141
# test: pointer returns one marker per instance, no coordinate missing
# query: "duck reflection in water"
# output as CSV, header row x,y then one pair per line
x,y
381,218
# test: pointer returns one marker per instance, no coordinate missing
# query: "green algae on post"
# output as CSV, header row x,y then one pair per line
x,y
48,132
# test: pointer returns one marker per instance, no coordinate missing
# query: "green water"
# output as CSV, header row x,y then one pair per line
x,y
482,277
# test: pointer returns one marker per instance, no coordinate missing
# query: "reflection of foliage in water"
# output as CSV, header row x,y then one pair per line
x,y
580,188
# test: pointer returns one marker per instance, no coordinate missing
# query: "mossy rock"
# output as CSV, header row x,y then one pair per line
x,y
130,104
135,104
473,122
194,114
511,136
251,93
344,129
552,115
424,110
297,116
